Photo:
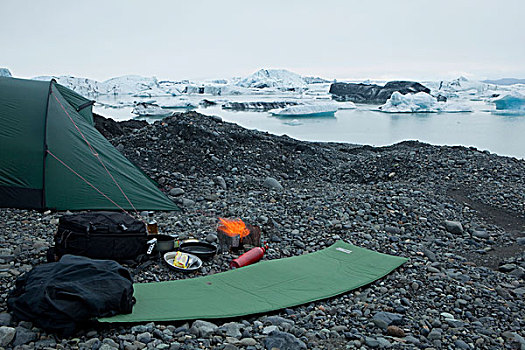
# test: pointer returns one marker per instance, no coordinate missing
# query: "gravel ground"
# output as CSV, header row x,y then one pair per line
x,y
457,213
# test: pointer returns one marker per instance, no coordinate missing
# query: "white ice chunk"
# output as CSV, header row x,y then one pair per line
x,y
410,103
83,86
143,108
273,78
307,110
180,103
129,84
421,103
153,92
4,72
511,101
216,90
346,105
125,85
458,87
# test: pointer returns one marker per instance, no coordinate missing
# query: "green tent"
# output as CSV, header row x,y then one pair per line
x,y
51,156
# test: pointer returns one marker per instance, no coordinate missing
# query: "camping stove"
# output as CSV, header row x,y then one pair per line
x,y
234,234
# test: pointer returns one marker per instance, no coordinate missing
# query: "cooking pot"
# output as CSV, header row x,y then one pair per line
x,y
162,243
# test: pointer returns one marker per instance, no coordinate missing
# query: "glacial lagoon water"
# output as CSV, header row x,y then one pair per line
x,y
482,128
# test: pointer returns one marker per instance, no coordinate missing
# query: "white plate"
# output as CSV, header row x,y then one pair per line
x,y
195,262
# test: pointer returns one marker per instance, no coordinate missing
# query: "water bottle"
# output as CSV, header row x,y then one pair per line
x,y
152,225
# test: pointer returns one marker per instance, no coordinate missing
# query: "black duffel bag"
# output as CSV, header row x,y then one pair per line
x,y
63,296
101,235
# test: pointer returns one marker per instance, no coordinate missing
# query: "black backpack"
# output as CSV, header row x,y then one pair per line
x,y
101,235
61,296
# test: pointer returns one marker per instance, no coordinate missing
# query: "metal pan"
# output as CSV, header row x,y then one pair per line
x,y
203,250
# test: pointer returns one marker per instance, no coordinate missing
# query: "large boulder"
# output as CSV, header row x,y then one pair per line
x,y
373,94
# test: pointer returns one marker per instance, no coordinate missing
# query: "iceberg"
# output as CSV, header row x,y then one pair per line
x,y
181,103
171,88
315,80
125,85
129,84
421,103
346,105
153,92
258,105
83,86
410,103
309,110
4,72
512,101
458,87
215,90
144,109
117,104
281,79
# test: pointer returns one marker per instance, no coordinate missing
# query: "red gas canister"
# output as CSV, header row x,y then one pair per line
x,y
251,256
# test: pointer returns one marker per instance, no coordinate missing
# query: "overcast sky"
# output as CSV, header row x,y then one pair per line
x,y
388,39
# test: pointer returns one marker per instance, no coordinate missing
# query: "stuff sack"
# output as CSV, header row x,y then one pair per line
x,y
101,235
61,296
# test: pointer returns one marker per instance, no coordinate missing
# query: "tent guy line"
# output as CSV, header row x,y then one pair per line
x,y
95,153
87,182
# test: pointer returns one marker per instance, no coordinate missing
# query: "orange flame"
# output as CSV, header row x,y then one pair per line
x,y
233,228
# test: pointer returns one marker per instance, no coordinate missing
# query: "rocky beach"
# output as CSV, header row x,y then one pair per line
x,y
457,213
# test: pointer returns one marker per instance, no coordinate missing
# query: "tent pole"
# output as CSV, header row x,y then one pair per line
x,y
45,146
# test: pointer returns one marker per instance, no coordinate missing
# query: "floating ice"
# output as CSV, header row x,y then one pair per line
x,y
512,101
129,84
181,103
83,86
346,105
144,109
273,78
315,80
410,103
457,87
125,85
421,103
4,72
293,122
306,110
273,81
153,92
171,88
215,90
257,105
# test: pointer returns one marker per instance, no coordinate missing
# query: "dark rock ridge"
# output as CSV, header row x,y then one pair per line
x,y
110,128
373,94
259,106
